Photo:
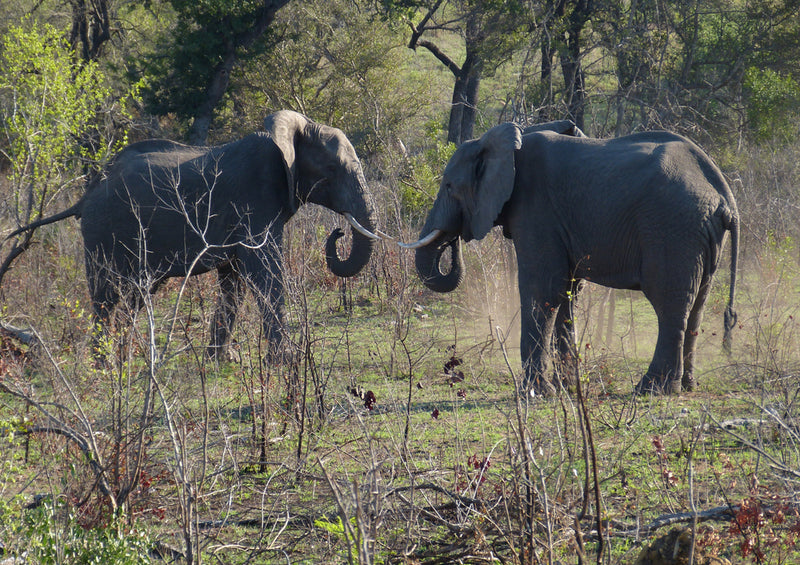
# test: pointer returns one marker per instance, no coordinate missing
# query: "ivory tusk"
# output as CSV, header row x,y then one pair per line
x,y
386,235
422,242
359,228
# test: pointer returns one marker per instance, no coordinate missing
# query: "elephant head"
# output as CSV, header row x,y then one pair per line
x,y
477,182
322,168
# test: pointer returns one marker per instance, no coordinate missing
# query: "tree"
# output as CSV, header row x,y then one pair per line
x,y
636,37
57,119
91,27
719,45
323,68
490,34
562,23
687,66
192,73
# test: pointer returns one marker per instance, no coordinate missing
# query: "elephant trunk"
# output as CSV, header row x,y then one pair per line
x,y
427,261
360,251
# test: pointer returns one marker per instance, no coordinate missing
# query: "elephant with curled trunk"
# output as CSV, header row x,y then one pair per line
x,y
162,209
648,211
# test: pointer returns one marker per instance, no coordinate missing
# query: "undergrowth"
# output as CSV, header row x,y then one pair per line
x,y
394,434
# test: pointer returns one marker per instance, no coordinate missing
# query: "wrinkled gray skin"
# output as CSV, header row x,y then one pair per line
x,y
163,209
647,212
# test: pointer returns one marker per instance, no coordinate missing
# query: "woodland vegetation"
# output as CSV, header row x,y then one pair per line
x,y
395,435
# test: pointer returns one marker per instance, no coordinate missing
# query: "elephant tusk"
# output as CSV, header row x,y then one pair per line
x,y
386,235
422,242
359,228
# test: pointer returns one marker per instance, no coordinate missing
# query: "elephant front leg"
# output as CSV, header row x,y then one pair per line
x,y
266,279
566,341
537,321
274,330
230,297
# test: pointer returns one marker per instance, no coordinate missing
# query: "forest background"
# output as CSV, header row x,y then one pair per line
x,y
165,454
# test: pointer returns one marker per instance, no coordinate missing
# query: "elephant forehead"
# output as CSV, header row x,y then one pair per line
x,y
337,145
460,170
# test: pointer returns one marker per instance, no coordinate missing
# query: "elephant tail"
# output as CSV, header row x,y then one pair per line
x,y
731,224
74,210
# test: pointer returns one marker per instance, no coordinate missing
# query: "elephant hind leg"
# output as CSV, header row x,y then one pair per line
x,y
104,300
672,286
664,374
105,295
135,297
666,368
692,331
232,289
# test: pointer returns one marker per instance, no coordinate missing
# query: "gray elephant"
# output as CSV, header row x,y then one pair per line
x,y
162,209
564,127
647,211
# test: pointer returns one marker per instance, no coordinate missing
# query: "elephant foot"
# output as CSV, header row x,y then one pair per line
x,y
100,362
223,354
687,382
565,376
281,356
657,385
538,387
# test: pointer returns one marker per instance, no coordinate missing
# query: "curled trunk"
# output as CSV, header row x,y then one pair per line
x,y
428,263
360,251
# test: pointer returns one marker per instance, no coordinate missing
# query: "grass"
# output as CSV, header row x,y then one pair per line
x,y
288,464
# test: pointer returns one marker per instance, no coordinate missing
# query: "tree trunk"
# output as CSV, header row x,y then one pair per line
x,y
546,76
470,108
456,110
91,28
216,90
465,101
571,61
574,79
465,90
219,82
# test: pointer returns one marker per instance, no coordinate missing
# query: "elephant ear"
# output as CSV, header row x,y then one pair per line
x,y
494,175
284,127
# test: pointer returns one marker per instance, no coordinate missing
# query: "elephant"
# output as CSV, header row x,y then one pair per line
x,y
564,127
162,209
648,211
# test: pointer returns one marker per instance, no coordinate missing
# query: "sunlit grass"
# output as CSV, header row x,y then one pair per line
x,y
438,456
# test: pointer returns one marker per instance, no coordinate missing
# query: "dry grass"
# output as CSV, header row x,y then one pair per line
x,y
245,463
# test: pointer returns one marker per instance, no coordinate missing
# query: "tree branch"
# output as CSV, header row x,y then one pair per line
x,y
220,80
447,61
418,30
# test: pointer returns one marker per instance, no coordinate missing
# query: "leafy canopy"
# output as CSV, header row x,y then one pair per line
x,y
773,104
56,114
202,35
